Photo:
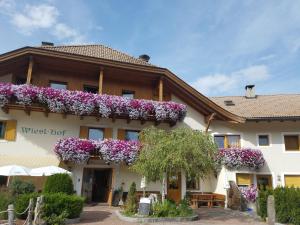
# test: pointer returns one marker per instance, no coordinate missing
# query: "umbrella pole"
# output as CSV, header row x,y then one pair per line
x,y
8,179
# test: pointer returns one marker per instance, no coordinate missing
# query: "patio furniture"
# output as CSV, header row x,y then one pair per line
x,y
14,170
218,200
207,200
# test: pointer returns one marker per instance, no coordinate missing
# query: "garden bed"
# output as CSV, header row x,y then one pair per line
x,y
136,219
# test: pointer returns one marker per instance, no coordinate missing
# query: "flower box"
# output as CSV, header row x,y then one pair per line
x,y
84,103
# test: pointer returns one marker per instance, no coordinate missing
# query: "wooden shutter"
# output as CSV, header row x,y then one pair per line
x,y
84,132
10,130
121,134
292,180
108,133
243,179
291,142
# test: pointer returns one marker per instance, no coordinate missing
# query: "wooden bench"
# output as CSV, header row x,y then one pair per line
x,y
209,200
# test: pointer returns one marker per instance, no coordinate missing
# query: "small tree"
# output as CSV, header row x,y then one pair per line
x,y
130,204
59,183
181,149
18,187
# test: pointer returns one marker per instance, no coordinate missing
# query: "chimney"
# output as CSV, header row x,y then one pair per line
x,y
144,57
45,43
250,91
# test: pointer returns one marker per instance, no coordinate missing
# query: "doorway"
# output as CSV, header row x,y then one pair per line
x,y
97,184
174,187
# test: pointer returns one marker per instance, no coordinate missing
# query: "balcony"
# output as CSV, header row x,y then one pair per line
x,y
240,158
46,99
81,150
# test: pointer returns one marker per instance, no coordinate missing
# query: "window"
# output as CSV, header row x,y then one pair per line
x,y
244,179
132,135
91,89
292,180
20,80
192,184
264,182
263,140
227,141
3,180
291,142
58,85
96,134
128,94
2,129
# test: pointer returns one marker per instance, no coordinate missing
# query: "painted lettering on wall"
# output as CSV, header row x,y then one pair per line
x,y
43,131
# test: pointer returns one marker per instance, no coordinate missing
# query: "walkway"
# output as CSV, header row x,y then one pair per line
x,y
98,215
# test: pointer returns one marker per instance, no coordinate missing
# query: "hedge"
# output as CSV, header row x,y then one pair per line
x,y
59,183
287,204
54,204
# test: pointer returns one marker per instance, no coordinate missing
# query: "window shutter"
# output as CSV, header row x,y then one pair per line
x,y
108,133
243,179
121,134
10,130
292,180
84,132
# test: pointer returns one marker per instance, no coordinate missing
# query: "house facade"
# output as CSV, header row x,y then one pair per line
x,y
30,129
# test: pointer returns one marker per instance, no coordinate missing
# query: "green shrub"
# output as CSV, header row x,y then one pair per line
x,y
287,204
22,202
19,187
58,203
130,207
59,183
168,208
5,200
184,208
56,220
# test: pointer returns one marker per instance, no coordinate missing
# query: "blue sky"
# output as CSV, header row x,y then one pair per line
x,y
216,46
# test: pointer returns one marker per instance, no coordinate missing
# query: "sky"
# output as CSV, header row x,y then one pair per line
x,y
218,47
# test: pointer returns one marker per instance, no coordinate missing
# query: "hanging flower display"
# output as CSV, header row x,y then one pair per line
x,y
80,150
249,193
237,158
83,103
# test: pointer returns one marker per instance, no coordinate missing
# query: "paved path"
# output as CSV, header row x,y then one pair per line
x,y
98,215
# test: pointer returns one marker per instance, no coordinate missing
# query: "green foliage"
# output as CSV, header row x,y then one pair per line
x,y
22,202
130,207
172,151
57,203
169,208
56,220
59,183
287,204
18,187
5,200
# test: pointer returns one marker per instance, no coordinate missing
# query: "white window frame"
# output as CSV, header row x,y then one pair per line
x,y
264,146
283,144
224,133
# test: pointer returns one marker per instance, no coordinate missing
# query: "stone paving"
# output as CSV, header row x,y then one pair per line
x,y
98,215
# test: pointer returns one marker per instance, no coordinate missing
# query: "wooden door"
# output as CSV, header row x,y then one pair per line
x,y
174,187
264,182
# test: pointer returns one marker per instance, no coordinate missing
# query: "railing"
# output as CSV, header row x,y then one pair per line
x,y
29,210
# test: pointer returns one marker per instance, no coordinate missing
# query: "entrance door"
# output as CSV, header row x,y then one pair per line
x,y
101,185
264,182
174,187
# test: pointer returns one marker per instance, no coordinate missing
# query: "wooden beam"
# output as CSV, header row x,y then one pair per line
x,y
208,121
5,109
161,90
101,81
29,71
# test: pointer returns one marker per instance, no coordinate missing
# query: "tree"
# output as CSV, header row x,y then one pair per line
x,y
181,149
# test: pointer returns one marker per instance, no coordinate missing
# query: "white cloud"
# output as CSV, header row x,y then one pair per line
x,y
216,84
35,17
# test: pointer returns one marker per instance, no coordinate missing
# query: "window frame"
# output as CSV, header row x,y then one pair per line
x,y
263,134
226,138
132,130
288,174
59,82
2,136
197,185
251,175
128,92
91,86
95,128
283,142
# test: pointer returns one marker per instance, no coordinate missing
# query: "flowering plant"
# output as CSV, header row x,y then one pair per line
x,y
249,193
83,103
80,150
237,158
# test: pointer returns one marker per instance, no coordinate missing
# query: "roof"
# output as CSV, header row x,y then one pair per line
x,y
281,106
97,51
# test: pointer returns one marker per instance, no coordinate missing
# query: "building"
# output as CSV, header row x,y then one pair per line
x,y
29,130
